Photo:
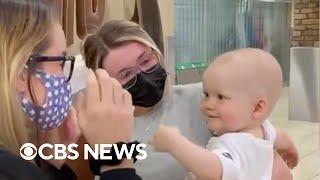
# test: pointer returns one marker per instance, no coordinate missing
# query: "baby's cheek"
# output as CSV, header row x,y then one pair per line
x,y
230,118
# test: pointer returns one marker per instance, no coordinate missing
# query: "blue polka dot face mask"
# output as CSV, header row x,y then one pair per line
x,y
55,109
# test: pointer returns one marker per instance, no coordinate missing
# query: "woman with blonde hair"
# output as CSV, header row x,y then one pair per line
x,y
35,96
129,55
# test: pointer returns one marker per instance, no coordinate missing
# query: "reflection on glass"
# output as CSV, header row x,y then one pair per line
x,y
204,29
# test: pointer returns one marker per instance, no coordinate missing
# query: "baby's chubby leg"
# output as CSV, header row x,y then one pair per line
x,y
280,169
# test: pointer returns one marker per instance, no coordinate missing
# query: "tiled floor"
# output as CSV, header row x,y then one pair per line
x,y
306,137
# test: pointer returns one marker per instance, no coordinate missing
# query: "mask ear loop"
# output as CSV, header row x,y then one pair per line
x,y
38,161
29,66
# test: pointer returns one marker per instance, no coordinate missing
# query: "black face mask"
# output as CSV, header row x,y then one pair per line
x,y
149,87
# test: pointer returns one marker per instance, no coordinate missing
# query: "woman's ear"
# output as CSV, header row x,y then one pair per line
x,y
259,109
21,83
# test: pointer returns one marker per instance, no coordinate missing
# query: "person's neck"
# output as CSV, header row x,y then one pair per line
x,y
140,111
256,130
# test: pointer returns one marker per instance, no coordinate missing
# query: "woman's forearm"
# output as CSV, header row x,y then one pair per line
x,y
124,164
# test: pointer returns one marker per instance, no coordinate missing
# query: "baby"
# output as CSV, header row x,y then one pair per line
x,y
241,88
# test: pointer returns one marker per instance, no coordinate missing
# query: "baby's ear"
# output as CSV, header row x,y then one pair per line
x,y
259,109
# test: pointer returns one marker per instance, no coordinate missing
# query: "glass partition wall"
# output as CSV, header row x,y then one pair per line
x,y
203,29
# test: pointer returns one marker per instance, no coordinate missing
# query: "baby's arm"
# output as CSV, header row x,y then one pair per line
x,y
280,170
201,162
282,144
286,148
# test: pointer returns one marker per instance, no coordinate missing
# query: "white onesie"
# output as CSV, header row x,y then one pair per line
x,y
243,156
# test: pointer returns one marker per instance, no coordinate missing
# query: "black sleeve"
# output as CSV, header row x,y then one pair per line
x,y
120,174
64,173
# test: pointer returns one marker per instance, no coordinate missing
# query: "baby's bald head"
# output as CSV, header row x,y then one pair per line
x,y
251,70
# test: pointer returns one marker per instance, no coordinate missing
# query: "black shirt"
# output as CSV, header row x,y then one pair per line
x,y
13,167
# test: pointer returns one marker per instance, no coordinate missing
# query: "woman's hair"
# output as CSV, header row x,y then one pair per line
x,y
24,28
111,35
115,34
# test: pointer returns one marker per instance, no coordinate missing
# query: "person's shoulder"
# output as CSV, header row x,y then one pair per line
x,y
238,139
188,89
269,131
188,94
188,86
224,141
14,167
245,144
230,141
239,152
6,156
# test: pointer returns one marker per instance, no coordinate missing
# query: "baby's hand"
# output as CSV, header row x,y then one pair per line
x,y
164,139
286,148
290,156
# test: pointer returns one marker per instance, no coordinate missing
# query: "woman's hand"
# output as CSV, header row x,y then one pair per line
x,y
105,111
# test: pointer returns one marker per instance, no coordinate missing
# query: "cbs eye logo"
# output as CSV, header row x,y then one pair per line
x,y
28,151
